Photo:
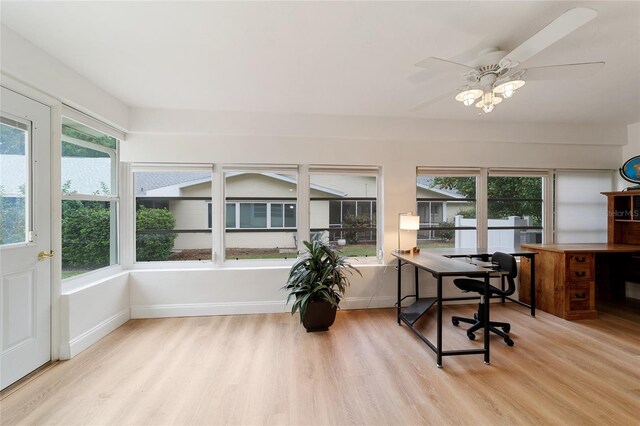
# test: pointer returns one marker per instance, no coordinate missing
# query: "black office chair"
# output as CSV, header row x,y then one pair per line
x,y
506,264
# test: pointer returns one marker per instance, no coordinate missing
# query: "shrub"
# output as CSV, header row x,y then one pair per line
x,y
85,234
152,246
353,221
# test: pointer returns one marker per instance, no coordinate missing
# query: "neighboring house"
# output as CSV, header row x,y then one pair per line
x,y
437,205
261,208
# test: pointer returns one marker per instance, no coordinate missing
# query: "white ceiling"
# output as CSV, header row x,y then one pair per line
x,y
333,57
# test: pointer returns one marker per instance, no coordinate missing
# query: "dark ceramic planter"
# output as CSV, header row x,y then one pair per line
x,y
319,316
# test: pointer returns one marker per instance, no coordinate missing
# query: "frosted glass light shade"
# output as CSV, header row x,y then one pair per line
x,y
509,88
468,96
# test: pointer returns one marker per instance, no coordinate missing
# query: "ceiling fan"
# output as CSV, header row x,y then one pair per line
x,y
496,75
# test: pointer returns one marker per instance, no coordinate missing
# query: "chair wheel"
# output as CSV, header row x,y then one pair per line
x,y
506,328
471,336
455,322
509,342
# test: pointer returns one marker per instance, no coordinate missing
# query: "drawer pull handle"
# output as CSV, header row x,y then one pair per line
x,y
581,259
581,274
580,295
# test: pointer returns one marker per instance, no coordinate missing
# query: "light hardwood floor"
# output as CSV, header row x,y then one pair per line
x,y
264,369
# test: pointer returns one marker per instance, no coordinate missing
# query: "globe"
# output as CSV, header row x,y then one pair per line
x,y
630,170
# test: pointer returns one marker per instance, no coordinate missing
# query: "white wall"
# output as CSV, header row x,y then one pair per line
x,y
28,63
92,312
631,149
398,145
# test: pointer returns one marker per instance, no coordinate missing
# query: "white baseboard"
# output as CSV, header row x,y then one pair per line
x,y
239,308
91,336
205,309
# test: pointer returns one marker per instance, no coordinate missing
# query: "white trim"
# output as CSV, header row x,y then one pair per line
x,y
94,334
347,169
204,309
260,168
453,171
157,167
83,118
92,278
240,308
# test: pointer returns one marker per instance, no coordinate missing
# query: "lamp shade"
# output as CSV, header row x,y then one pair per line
x,y
409,222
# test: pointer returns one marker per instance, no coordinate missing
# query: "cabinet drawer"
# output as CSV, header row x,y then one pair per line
x,y
579,267
581,296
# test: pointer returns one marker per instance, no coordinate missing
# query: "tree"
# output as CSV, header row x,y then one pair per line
x,y
508,195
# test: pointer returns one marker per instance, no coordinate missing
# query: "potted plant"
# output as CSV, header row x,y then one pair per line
x,y
317,281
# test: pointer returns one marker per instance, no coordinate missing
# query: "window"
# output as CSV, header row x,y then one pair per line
x,y
254,215
89,199
580,209
515,210
446,204
14,180
261,214
343,209
173,213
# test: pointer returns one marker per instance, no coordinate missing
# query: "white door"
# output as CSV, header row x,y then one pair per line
x,y
25,290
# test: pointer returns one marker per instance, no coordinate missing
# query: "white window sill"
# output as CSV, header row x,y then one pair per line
x,y
80,282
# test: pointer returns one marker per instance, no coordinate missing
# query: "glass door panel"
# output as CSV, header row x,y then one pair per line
x,y
14,180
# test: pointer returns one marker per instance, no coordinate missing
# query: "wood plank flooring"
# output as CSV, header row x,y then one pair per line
x,y
264,369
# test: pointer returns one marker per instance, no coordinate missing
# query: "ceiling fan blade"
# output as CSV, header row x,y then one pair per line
x,y
443,65
563,72
562,26
431,101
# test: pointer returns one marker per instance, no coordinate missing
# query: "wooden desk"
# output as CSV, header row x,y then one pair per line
x,y
439,267
484,254
569,278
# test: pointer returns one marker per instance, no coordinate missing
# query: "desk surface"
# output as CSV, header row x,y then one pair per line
x,y
439,265
479,251
585,248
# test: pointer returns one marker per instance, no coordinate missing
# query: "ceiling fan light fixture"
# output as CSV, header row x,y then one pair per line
x,y
468,97
487,108
508,88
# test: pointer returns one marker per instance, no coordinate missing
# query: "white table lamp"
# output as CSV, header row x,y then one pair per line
x,y
407,222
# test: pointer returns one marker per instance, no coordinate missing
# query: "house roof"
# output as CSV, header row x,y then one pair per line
x,y
166,183
426,182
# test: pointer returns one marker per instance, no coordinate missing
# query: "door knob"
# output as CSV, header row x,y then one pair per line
x,y
43,255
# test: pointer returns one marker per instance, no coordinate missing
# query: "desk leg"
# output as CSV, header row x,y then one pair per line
x,y
417,286
399,290
532,286
439,324
487,302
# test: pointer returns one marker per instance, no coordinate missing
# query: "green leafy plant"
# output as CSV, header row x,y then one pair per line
x,y
150,245
320,274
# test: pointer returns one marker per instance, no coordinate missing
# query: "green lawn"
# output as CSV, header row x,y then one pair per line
x,y
69,274
436,244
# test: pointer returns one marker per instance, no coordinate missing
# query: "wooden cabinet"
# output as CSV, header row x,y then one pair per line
x,y
569,277
565,282
623,210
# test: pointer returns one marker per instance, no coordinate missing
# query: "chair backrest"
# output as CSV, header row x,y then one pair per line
x,y
507,264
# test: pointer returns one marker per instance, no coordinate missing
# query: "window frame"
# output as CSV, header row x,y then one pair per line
x,y
209,203
454,172
523,173
113,198
371,171
267,169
